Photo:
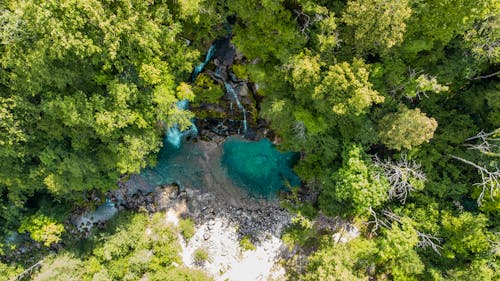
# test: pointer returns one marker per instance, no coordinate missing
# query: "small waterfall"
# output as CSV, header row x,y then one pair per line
x,y
229,88
174,135
199,68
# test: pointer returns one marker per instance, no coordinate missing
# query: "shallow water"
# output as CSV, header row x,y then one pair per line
x,y
234,169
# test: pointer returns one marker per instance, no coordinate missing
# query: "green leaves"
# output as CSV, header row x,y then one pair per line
x,y
355,187
88,82
406,129
377,25
347,90
42,229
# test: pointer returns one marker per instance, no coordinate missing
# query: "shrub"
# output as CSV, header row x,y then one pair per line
x,y
200,256
187,228
246,244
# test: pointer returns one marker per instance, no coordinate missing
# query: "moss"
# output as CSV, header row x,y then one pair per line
x,y
240,71
206,90
246,244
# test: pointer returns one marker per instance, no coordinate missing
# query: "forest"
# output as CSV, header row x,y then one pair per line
x,y
393,107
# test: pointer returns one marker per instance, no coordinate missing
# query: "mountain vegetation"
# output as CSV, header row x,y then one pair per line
x,y
393,105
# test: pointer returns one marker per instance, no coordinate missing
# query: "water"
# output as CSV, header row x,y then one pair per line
x,y
230,90
199,68
235,169
259,167
174,136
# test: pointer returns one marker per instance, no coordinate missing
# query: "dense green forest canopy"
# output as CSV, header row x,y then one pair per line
x,y
394,105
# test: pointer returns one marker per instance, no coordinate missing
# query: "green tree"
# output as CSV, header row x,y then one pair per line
x,y
339,262
85,89
397,254
378,25
466,235
42,229
406,129
356,186
265,29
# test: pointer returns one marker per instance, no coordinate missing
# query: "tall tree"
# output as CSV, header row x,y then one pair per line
x,y
85,89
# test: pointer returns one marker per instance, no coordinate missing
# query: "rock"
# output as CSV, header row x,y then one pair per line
x,y
243,90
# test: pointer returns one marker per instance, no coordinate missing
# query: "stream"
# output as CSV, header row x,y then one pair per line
x,y
235,170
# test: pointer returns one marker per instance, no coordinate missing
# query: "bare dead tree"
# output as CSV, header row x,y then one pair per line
x,y
490,180
387,217
305,21
495,244
402,175
299,129
376,222
428,240
487,76
487,144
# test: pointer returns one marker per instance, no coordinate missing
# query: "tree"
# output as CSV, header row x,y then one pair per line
x,y
466,235
85,88
406,129
355,187
345,90
378,25
342,261
42,229
397,253
404,177
265,30
428,28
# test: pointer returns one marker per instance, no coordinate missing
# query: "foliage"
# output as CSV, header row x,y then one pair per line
x,y
133,246
406,129
42,229
356,185
87,89
186,227
378,25
83,89
200,256
339,262
246,244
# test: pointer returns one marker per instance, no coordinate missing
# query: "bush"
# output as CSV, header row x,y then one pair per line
x,y
200,256
42,229
246,244
187,228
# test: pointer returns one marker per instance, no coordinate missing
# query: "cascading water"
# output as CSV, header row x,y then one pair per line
x,y
229,88
257,167
174,136
199,68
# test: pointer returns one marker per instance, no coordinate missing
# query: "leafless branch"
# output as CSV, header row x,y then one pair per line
x,y
490,180
387,217
401,175
376,222
299,129
428,240
487,144
486,76
305,20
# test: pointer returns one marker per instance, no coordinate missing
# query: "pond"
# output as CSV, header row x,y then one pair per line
x,y
233,169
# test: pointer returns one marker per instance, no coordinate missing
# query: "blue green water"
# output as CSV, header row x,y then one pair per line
x,y
259,167
235,167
